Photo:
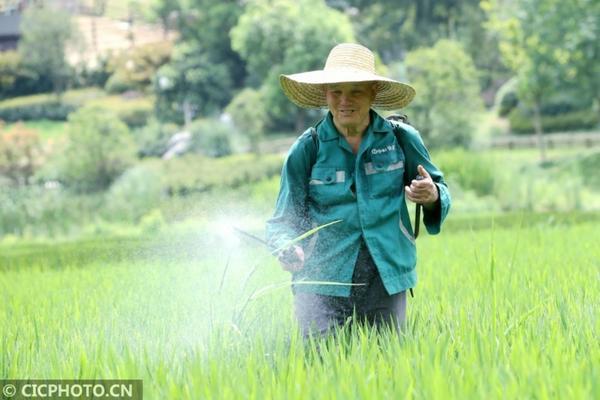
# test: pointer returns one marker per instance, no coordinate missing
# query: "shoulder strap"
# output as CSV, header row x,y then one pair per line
x,y
400,136
399,133
315,139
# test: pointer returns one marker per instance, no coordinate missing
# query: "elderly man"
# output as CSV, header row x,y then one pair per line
x,y
357,167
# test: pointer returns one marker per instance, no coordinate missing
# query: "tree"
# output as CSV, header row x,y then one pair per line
x,y
283,36
135,69
204,70
249,115
447,103
165,11
191,84
529,32
581,44
395,27
42,46
9,71
207,24
99,149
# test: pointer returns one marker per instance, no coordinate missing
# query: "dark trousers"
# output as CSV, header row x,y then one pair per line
x,y
370,303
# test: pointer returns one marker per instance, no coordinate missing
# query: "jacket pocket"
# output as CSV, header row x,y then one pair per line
x,y
326,185
385,173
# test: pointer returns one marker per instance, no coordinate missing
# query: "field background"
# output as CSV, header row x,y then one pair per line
x,y
499,312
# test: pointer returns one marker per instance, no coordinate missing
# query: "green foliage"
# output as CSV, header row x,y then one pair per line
x,y
588,166
521,121
134,194
9,71
48,109
447,101
153,138
193,173
134,111
545,333
211,137
42,47
206,25
117,83
135,69
471,171
529,32
508,102
100,148
249,115
44,212
204,70
191,84
46,129
152,222
283,36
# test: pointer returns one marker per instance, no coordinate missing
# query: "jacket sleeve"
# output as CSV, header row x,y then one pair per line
x,y
415,154
290,218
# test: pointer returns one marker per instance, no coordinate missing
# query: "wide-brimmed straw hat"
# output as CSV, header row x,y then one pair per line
x,y
347,62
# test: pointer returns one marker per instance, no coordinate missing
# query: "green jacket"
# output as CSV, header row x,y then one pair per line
x,y
364,190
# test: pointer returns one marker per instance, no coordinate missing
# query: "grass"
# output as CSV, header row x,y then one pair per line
x,y
45,128
503,312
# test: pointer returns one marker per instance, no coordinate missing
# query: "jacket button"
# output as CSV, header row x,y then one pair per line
x,y
328,179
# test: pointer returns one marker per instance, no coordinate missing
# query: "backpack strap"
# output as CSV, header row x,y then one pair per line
x,y
400,136
315,139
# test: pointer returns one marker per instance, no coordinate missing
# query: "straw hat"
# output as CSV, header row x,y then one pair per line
x,y
347,62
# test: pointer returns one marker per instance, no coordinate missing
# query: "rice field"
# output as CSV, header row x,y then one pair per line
x,y
501,312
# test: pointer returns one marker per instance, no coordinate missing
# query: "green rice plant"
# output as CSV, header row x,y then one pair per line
x,y
508,312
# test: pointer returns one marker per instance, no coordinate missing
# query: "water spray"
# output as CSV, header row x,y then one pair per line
x,y
286,252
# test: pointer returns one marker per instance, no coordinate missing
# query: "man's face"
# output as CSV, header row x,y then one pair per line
x,y
349,103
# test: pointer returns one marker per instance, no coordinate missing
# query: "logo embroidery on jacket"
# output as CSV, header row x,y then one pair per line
x,y
389,147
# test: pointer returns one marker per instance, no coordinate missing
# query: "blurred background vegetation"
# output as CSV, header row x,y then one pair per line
x,y
132,116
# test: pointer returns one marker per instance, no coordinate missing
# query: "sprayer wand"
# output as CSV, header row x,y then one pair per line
x,y
418,210
287,250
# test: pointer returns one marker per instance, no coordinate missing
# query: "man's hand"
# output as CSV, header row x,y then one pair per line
x,y
292,258
422,191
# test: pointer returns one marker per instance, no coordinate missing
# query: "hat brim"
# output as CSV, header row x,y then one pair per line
x,y
306,89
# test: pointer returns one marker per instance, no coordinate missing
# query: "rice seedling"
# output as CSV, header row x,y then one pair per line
x,y
505,313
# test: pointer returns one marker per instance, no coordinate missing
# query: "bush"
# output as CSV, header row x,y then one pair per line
x,y
100,148
47,106
51,110
134,70
188,174
448,103
508,102
117,84
135,193
35,210
469,170
9,71
20,154
249,115
521,121
211,137
153,138
134,110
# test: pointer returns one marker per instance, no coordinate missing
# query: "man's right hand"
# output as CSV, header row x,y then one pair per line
x,y
292,258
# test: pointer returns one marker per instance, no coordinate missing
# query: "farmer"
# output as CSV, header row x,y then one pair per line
x,y
352,167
